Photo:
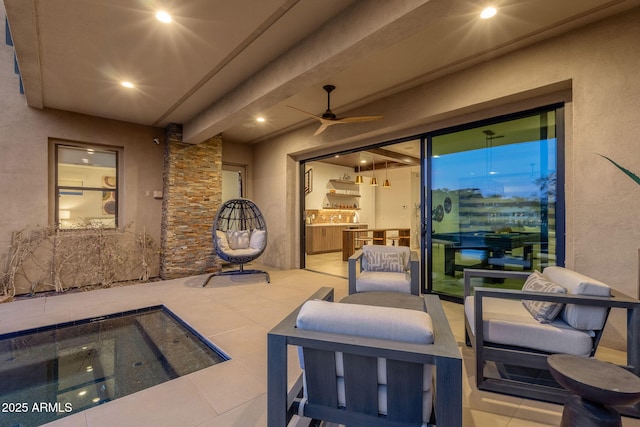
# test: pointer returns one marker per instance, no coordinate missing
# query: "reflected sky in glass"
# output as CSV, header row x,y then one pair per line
x,y
506,170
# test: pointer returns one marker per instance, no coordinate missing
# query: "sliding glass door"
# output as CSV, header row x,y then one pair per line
x,y
491,197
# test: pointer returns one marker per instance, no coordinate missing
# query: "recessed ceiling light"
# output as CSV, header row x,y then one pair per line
x,y
163,16
488,12
260,119
128,85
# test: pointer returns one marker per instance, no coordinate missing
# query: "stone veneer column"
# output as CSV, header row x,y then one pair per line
x,y
192,195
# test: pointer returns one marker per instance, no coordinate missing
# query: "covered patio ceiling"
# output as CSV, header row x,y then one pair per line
x,y
219,65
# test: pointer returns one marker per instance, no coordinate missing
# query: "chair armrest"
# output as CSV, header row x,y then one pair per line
x,y
278,396
614,301
354,261
469,273
414,271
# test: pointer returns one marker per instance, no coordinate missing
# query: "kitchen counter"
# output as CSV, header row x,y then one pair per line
x,y
341,224
327,237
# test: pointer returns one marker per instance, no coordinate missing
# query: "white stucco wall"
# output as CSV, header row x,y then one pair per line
x,y
593,69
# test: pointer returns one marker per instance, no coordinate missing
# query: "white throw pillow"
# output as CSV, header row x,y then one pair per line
x,y
238,239
542,311
221,240
257,239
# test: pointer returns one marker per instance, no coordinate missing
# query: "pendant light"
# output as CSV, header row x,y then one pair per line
x,y
386,183
374,180
359,179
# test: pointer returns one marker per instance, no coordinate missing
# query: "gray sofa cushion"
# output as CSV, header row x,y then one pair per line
x,y
508,322
383,281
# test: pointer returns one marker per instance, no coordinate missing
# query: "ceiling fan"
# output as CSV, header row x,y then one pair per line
x,y
328,118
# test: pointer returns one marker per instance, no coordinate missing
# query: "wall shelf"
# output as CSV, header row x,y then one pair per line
x,y
345,194
342,195
342,181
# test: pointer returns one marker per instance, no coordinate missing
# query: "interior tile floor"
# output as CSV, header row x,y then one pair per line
x,y
236,313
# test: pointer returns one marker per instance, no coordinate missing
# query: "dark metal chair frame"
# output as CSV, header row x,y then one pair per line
x,y
355,267
235,215
519,356
406,358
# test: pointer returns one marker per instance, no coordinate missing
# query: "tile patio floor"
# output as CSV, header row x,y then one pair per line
x,y
236,314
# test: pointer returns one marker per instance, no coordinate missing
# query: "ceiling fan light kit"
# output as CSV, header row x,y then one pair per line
x,y
328,118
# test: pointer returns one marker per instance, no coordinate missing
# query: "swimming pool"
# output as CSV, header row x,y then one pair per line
x,y
54,371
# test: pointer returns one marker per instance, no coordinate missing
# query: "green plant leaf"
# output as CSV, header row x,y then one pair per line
x,y
630,174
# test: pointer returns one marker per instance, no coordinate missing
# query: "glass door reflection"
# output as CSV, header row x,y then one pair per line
x,y
493,199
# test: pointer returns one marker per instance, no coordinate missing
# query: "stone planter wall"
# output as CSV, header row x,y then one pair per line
x,y
192,194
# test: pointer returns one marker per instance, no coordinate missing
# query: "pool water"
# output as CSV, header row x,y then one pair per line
x,y
51,372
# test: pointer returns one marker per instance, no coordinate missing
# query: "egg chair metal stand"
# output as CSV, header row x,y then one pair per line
x,y
239,236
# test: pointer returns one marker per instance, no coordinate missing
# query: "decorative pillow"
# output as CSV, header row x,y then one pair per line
x,y
542,311
221,240
583,317
238,239
257,239
384,261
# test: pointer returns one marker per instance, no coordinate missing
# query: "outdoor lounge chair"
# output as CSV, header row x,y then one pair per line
x,y
366,365
502,330
384,268
239,236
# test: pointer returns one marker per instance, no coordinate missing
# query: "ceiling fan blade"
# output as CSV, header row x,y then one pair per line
x,y
357,119
307,113
328,118
325,124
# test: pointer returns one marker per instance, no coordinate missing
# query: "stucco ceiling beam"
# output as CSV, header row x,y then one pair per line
x,y
361,29
24,32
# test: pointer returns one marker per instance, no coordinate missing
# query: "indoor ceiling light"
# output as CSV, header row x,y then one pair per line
x,y
261,119
374,180
386,183
163,16
359,179
128,85
488,12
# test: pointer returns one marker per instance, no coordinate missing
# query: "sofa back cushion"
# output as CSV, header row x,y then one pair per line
x,y
388,323
580,316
